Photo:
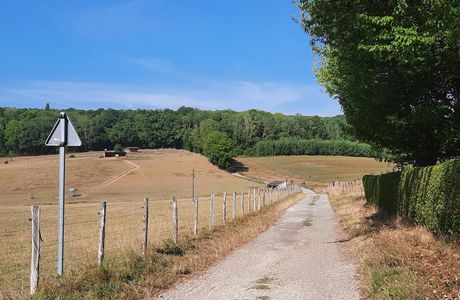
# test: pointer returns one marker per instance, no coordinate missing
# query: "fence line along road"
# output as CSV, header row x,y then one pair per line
x,y
111,229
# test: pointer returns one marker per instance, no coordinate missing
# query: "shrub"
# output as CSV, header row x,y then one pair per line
x,y
118,147
382,190
429,196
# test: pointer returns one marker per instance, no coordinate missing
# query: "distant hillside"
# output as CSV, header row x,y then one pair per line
x,y
23,131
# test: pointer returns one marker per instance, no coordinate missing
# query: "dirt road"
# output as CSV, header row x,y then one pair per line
x,y
297,258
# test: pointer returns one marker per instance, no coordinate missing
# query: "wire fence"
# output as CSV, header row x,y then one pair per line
x,y
124,229
354,188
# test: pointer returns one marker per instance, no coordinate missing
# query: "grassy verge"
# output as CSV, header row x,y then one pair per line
x,y
132,276
397,260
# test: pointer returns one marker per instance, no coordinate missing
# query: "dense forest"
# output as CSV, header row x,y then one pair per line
x,y
220,135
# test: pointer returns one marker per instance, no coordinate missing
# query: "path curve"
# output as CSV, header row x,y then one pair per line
x,y
118,177
296,258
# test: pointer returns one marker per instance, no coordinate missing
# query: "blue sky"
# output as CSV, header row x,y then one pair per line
x,y
209,54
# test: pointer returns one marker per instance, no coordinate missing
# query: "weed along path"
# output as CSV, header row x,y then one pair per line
x,y
296,258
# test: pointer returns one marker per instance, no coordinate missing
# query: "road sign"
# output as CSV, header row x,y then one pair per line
x,y
63,134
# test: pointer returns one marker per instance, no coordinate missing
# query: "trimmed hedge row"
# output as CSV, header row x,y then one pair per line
x,y
429,196
382,190
296,146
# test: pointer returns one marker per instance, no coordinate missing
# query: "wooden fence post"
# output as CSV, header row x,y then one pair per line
x,y
100,251
146,226
224,212
249,201
234,206
255,207
35,261
264,194
242,203
211,211
175,221
196,201
258,199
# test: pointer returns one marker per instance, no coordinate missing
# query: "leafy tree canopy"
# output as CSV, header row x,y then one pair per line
x,y
23,131
219,148
395,68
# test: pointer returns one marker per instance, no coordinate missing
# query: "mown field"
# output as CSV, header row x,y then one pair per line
x,y
313,171
123,183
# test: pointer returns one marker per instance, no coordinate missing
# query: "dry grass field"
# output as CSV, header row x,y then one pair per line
x,y
156,174
122,183
396,260
313,171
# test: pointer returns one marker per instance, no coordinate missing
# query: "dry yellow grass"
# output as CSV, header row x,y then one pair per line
x,y
156,174
397,260
161,271
159,177
314,171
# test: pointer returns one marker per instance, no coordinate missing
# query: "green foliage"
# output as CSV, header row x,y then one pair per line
x,y
383,190
296,146
429,196
394,67
118,147
23,131
175,249
219,148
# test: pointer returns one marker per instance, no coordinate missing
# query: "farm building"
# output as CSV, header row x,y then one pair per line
x,y
113,153
132,149
277,184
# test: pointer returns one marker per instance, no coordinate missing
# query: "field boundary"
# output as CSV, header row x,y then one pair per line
x,y
251,203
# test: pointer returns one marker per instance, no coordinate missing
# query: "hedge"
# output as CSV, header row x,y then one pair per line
x,y
296,146
382,190
429,196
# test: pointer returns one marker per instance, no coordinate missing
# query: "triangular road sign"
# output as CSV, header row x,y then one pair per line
x,y
63,133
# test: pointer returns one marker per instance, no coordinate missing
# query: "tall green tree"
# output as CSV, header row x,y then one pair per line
x,y
395,68
219,149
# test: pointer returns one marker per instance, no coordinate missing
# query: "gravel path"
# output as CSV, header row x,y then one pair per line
x,y
296,258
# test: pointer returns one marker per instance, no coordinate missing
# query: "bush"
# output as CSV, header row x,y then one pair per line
x,y
118,147
429,196
382,190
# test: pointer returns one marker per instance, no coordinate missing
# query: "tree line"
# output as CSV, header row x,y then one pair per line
x,y
220,135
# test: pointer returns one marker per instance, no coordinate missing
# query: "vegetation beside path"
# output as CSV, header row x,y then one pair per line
x,y
428,196
396,260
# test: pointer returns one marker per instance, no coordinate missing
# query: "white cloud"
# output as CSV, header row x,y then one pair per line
x,y
237,95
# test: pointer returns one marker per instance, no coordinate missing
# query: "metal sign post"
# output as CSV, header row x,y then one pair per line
x,y
63,134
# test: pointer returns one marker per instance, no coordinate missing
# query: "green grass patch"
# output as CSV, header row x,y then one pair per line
x,y
175,249
389,282
264,280
260,287
307,222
